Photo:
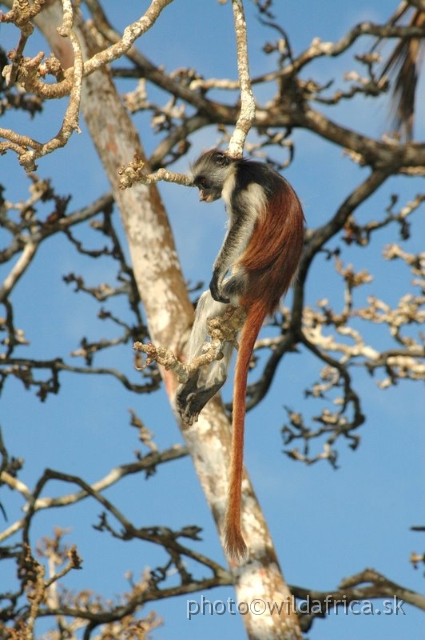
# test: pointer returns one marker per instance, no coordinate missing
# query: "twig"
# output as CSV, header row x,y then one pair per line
x,y
134,172
18,269
221,329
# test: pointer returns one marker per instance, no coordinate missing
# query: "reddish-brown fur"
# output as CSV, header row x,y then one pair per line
x,y
270,262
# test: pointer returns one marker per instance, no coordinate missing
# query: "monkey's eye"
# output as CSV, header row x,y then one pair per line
x,y
221,159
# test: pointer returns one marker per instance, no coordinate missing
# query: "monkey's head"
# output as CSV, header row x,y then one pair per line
x,y
209,173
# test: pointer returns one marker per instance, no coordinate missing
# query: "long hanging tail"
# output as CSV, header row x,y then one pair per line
x,y
234,542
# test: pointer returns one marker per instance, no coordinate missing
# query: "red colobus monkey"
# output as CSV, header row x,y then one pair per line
x,y
259,256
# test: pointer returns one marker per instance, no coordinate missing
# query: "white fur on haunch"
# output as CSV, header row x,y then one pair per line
x,y
217,370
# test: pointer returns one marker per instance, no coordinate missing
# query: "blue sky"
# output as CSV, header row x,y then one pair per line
x,y
326,524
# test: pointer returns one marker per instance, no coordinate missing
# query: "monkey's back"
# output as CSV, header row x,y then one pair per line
x,y
272,255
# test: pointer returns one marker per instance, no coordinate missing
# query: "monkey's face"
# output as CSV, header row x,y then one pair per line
x,y
207,191
209,173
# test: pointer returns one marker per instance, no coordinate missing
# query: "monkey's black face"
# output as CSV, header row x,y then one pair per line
x,y
207,191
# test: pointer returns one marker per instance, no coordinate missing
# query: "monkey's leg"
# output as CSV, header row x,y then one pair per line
x,y
192,396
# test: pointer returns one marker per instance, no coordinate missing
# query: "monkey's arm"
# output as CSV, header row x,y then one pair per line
x,y
234,245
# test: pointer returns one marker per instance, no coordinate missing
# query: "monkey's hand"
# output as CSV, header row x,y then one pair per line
x,y
215,289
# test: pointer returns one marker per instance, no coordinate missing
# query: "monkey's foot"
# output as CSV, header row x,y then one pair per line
x,y
190,402
187,413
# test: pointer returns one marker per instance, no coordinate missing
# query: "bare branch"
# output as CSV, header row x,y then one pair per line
x,y
247,111
28,71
